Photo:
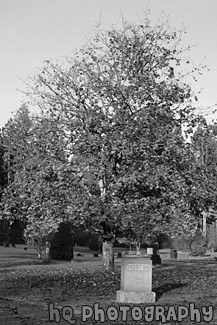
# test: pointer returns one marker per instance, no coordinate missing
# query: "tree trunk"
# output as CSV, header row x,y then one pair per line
x,y
108,255
138,248
204,224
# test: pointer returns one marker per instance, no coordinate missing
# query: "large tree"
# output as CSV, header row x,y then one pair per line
x,y
120,103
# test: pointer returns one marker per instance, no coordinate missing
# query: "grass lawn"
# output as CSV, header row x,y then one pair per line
x,y
28,287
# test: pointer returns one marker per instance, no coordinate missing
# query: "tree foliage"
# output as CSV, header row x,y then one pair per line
x,y
108,148
121,102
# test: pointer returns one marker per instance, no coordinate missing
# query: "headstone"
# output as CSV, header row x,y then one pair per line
x,y
136,279
150,251
47,251
183,255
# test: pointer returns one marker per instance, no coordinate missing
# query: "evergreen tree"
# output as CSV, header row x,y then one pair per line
x,y
62,243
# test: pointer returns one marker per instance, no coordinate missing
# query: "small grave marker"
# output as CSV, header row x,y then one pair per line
x,y
47,251
150,251
183,255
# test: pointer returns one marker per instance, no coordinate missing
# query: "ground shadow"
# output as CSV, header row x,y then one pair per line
x,y
190,262
167,287
21,263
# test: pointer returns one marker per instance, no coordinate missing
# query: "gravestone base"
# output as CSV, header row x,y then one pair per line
x,y
135,297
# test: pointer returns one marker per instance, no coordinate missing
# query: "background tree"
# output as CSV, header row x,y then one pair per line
x,y
201,191
3,182
35,195
14,151
204,145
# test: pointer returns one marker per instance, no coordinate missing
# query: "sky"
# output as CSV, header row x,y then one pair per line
x,y
32,31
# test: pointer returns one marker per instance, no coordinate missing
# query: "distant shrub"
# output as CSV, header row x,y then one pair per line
x,y
12,234
181,243
198,245
144,246
164,241
94,243
212,237
62,244
37,234
120,245
4,230
81,237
